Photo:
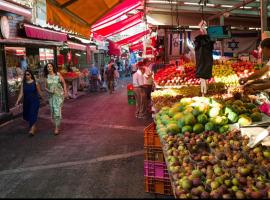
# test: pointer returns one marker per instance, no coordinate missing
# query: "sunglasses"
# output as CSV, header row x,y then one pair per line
x,y
27,74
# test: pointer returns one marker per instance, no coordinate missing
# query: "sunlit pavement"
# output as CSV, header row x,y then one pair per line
x,y
99,152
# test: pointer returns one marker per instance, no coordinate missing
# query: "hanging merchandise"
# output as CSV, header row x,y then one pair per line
x,y
204,58
69,56
60,59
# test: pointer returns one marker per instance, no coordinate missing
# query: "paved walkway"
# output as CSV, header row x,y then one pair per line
x,y
99,153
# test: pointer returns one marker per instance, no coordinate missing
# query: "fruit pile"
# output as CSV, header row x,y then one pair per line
x,y
225,74
199,114
213,165
171,76
70,75
168,97
243,69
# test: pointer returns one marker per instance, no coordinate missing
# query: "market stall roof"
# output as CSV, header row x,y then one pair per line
x,y
78,15
133,38
114,49
44,34
212,9
121,9
30,42
121,25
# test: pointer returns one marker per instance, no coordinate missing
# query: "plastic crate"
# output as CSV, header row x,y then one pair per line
x,y
131,97
151,138
155,169
153,154
130,93
158,186
131,102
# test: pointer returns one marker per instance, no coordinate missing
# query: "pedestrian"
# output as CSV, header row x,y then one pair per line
x,y
56,87
30,92
140,95
110,76
94,73
148,81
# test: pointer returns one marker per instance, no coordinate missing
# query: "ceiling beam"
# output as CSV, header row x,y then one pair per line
x,y
167,8
238,5
55,3
68,3
216,2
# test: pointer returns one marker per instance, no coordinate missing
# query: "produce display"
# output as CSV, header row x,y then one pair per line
x,y
172,76
213,165
206,156
227,72
201,114
167,97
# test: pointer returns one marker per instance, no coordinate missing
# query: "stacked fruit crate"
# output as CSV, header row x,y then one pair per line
x,y
131,95
156,177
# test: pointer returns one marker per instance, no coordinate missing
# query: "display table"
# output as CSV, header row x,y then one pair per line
x,y
73,83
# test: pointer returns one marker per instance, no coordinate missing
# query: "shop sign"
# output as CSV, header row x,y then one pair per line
x,y
5,27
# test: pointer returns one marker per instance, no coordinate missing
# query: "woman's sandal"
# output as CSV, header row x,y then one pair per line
x,y
32,132
56,132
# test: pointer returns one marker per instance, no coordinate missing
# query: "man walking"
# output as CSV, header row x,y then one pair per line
x,y
140,95
93,78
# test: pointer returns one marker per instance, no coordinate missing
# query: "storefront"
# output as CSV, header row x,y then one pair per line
x,y
23,46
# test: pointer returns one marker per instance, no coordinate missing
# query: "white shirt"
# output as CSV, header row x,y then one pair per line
x,y
148,79
138,78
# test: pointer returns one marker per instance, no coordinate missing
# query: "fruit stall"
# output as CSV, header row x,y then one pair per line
x,y
72,80
214,146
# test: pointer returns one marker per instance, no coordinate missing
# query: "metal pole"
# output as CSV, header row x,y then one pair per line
x,y
5,106
55,56
222,41
264,12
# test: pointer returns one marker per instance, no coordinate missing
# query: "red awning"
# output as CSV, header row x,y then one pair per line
x,y
133,38
44,34
136,47
121,25
113,48
118,11
76,46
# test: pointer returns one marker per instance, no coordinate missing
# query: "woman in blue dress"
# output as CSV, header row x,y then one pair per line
x,y
30,92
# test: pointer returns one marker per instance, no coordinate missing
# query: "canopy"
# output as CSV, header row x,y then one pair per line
x,y
136,47
133,38
121,25
44,34
77,15
113,48
118,11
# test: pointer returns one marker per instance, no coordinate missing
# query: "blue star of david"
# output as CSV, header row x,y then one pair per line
x,y
233,45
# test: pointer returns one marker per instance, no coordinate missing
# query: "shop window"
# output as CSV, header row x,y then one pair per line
x,y
20,58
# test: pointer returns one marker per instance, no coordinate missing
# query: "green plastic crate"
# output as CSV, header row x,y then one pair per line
x,y
131,97
131,93
131,102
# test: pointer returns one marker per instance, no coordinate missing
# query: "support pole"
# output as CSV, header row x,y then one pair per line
x,y
222,41
264,14
5,103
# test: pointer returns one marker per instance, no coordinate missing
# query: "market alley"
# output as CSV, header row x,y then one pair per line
x,y
98,154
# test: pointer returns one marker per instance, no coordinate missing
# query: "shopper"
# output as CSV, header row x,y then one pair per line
x,y
148,82
94,73
56,87
265,46
140,95
109,77
30,92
